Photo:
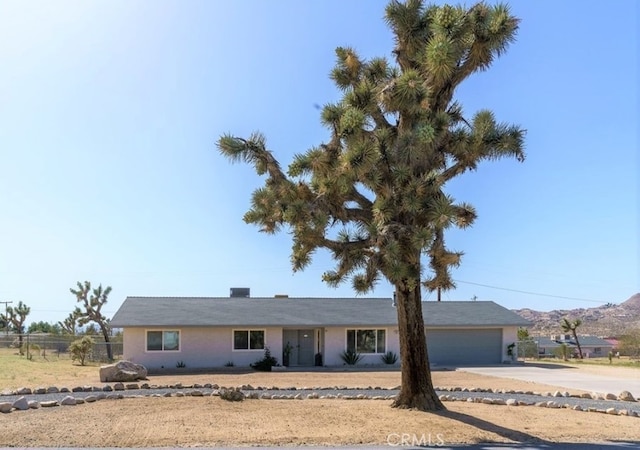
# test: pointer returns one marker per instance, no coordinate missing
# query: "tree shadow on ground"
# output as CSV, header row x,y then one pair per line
x,y
543,365
507,433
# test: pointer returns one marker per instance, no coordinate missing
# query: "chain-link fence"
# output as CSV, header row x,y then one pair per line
x,y
52,346
528,349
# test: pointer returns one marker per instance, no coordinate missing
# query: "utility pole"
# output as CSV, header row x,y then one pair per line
x,y
6,316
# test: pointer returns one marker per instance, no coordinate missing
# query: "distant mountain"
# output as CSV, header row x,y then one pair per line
x,y
606,320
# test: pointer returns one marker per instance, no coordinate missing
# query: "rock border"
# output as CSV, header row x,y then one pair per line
x,y
116,392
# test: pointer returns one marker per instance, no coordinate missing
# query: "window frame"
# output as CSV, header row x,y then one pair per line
x,y
248,331
163,331
376,332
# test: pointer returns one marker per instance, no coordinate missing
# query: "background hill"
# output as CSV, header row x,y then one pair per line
x,y
606,320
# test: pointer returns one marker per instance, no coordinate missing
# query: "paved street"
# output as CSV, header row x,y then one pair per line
x,y
563,376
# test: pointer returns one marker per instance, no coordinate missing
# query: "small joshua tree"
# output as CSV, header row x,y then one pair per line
x,y
80,349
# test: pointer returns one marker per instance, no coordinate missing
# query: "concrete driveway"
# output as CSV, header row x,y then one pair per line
x,y
565,376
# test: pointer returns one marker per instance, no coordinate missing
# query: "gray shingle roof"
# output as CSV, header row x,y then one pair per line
x,y
226,311
585,341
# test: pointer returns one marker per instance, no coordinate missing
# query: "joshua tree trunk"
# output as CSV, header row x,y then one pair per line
x,y
417,389
575,336
107,341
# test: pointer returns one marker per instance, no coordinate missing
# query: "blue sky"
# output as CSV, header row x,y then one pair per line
x,y
109,113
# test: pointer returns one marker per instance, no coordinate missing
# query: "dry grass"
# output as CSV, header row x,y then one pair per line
x,y
209,421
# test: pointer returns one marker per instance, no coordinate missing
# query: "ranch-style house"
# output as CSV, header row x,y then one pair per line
x,y
160,332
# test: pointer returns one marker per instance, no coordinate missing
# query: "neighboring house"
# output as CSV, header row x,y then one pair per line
x,y
214,332
592,346
546,346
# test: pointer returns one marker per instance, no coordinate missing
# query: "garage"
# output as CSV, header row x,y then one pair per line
x,y
465,347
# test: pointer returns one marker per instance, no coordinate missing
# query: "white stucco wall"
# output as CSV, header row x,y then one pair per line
x,y
200,347
209,347
336,342
509,336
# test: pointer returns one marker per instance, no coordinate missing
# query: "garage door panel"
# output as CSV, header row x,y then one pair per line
x,y
464,347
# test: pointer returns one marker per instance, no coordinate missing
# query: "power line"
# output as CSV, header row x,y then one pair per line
x,y
531,293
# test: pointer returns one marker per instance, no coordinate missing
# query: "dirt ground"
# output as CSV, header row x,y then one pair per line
x,y
210,421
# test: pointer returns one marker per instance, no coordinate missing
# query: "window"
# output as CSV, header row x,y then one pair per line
x,y
248,339
597,350
163,341
366,341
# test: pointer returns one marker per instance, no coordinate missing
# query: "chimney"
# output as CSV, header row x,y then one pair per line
x,y
281,296
240,292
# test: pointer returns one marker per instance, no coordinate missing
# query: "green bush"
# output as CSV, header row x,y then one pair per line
x,y
266,363
80,349
350,357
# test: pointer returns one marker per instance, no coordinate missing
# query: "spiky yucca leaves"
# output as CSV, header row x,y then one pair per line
x,y
374,194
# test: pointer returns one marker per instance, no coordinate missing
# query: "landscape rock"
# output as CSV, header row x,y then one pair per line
x,y
34,404
612,411
512,402
122,371
626,396
5,407
52,390
118,387
23,391
21,404
68,401
610,396
49,404
40,390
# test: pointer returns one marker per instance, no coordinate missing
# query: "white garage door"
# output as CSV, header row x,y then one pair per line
x,y
464,347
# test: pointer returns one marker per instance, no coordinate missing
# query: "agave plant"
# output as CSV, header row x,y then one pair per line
x,y
350,357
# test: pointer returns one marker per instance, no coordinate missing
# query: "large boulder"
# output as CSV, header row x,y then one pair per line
x,y
122,371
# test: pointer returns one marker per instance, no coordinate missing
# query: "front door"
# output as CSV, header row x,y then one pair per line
x,y
305,348
302,348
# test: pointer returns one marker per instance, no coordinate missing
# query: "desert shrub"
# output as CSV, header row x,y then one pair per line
x,y
266,363
232,395
80,349
229,364
389,357
350,357
181,365
563,351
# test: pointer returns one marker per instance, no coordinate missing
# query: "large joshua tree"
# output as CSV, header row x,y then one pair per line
x,y
374,194
16,317
572,327
92,301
